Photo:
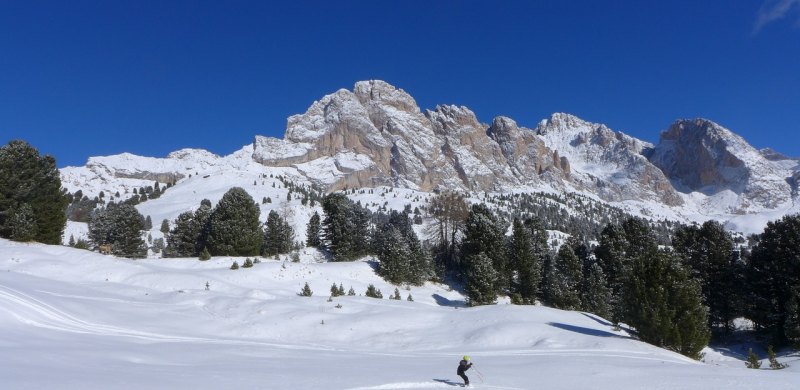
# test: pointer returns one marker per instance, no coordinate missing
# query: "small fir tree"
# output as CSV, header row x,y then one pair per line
x,y
235,265
306,291
773,360
164,226
752,360
373,292
351,292
340,291
396,295
410,299
247,263
334,290
313,231
205,255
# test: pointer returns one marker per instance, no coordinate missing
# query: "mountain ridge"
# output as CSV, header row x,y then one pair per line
x,y
377,135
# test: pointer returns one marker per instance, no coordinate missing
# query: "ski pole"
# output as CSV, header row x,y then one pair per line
x,y
480,376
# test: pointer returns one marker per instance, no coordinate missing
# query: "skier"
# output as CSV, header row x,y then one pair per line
x,y
464,365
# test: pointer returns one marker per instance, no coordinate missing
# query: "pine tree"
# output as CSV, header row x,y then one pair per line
x,y
26,177
525,262
278,235
71,240
773,360
665,304
234,228
565,278
121,226
410,298
313,231
484,233
752,360
775,273
148,223
373,292
481,280
248,263
306,291
188,235
235,265
394,258
707,251
596,297
396,295
351,292
340,291
344,228
205,255
334,290
164,226
619,244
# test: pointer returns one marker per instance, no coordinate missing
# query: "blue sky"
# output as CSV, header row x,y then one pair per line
x,y
81,78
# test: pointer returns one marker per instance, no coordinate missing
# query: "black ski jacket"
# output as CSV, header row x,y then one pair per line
x,y
463,366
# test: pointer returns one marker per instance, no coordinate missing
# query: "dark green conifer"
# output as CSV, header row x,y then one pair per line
x,y
373,292
481,280
27,178
313,231
752,360
234,228
205,255
306,291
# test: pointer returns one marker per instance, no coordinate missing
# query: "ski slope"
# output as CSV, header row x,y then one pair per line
x,y
73,319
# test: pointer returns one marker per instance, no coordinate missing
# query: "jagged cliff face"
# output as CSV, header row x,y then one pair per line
x,y
377,135
702,156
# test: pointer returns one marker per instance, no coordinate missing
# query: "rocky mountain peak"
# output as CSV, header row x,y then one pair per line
x,y
700,155
381,92
560,121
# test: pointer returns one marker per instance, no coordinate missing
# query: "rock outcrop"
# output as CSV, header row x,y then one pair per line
x,y
395,143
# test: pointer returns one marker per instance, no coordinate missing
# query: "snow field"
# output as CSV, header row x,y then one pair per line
x,y
73,319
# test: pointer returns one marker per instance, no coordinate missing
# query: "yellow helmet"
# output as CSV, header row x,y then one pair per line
x,y
466,358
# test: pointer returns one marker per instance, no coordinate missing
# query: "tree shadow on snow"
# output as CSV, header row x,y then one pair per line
x,y
597,319
586,331
442,301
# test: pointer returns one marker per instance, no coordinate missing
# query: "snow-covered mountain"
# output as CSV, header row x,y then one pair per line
x,y
376,135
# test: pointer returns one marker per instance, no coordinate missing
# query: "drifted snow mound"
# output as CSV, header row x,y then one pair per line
x,y
95,322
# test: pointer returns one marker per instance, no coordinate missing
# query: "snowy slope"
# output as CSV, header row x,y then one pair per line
x,y
72,319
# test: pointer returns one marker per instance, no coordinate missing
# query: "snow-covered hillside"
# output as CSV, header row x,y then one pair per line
x,y
73,319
